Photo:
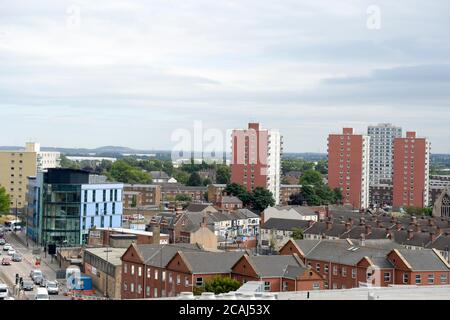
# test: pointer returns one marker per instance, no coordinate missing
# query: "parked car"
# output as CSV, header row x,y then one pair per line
x,y
42,294
17,257
4,291
2,242
52,287
38,279
11,252
6,262
6,247
27,285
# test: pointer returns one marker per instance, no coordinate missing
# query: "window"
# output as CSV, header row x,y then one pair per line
x,y
186,281
431,279
199,282
139,289
387,277
405,278
155,293
418,279
344,271
84,209
156,274
443,278
318,267
149,273
170,277
104,195
132,270
316,286
178,279
96,209
285,286
354,273
267,286
93,196
105,208
132,287
325,268
163,275
125,287
147,291
140,271
335,270
115,195
125,268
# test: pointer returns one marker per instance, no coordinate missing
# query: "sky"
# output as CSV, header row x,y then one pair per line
x,y
130,73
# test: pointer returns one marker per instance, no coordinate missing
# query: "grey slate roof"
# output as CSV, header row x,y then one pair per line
x,y
419,239
355,233
199,207
244,214
306,245
159,175
339,251
159,255
285,224
423,260
231,199
273,266
441,243
211,262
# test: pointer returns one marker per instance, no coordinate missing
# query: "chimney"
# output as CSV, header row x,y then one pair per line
x,y
431,222
379,224
329,225
368,229
438,231
350,220
413,219
417,227
410,234
310,223
327,211
348,226
432,236
393,220
362,240
362,221
389,234
398,226
156,234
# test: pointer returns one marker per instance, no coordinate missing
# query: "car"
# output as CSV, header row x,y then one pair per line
x,y
11,252
2,242
17,257
6,247
6,262
52,287
42,294
27,285
38,279
4,291
36,273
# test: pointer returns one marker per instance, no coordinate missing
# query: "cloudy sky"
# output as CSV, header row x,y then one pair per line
x,y
89,73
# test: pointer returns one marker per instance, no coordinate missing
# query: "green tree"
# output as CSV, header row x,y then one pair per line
x,y
181,176
220,285
223,175
194,180
322,166
310,196
122,171
207,182
297,233
67,163
261,198
338,195
296,199
4,201
311,178
237,190
183,198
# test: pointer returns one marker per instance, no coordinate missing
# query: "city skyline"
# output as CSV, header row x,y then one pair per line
x,y
111,73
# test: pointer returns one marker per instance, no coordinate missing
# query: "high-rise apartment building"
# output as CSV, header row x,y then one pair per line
x,y
381,163
17,165
411,171
348,167
256,158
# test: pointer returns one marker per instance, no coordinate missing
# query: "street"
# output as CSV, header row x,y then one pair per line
x,y
8,273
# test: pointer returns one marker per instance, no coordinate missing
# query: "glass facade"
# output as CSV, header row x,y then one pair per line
x,y
61,214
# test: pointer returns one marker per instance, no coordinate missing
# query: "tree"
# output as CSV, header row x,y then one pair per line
x,y
338,195
310,196
207,182
296,199
261,198
297,233
4,201
223,174
67,163
181,176
220,285
322,166
122,171
239,191
311,178
183,198
194,180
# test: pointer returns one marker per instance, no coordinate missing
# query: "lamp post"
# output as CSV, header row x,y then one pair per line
x,y
108,250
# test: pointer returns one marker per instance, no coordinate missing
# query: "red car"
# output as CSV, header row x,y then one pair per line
x,y
6,262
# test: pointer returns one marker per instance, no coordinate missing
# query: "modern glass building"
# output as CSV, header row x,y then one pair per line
x,y
65,203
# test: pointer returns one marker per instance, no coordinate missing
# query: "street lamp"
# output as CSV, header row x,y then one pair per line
x,y
108,250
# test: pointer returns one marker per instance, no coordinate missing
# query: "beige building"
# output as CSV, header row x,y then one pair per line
x,y
17,165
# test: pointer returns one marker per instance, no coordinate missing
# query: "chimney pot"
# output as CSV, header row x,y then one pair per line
x,y
410,234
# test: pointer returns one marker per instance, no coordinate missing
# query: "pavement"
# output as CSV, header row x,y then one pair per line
x,y
8,273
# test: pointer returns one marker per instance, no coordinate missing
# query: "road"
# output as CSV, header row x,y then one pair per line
x,y
8,273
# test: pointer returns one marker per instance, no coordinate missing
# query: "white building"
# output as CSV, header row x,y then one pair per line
x,y
365,182
382,151
45,159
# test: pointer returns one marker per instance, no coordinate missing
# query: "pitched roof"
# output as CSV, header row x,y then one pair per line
x,y
231,199
199,207
423,260
375,233
159,175
245,214
211,262
159,255
274,266
285,224
419,239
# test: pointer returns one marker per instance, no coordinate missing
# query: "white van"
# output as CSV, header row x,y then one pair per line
x,y
42,294
3,291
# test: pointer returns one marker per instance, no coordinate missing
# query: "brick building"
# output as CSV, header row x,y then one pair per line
x,y
256,158
140,195
411,171
286,190
348,167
